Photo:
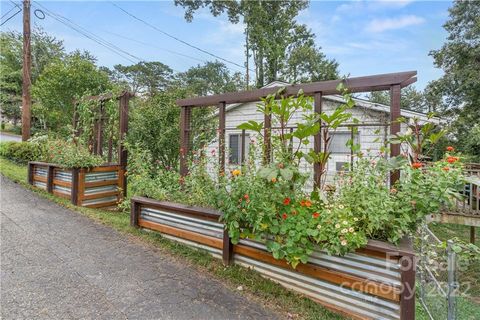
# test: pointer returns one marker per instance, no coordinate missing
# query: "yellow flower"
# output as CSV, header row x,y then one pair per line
x,y
236,172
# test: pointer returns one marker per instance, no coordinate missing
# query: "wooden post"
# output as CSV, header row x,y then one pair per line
x,y
123,128
317,141
407,296
472,234
134,213
31,169
50,175
242,161
76,133
221,136
100,129
75,185
395,114
267,143
227,252
27,73
184,139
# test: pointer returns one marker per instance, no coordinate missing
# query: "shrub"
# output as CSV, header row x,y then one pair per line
x,y
20,152
69,155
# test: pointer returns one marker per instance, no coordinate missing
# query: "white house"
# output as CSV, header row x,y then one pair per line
x,y
371,134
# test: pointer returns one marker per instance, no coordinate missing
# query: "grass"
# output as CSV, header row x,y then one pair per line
x,y
287,303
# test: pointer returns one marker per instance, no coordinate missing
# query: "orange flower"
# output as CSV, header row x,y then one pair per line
x,y
445,168
450,148
393,190
284,216
302,203
294,212
316,215
286,201
417,165
308,203
236,172
274,180
246,197
451,159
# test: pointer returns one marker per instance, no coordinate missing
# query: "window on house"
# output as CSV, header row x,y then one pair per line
x,y
338,142
235,148
341,166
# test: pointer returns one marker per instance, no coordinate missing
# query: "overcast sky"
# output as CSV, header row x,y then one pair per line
x,y
365,37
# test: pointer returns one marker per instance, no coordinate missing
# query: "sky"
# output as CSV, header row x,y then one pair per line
x,y
365,37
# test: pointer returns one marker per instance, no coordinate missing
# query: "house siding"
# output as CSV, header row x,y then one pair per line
x,y
371,137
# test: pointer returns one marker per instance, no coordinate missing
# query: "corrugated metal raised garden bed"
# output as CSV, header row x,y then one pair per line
x,y
96,187
374,282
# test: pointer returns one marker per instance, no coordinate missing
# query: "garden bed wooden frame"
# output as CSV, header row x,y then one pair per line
x,y
97,187
375,282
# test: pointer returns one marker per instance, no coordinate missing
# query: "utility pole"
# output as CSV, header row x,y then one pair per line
x,y
27,73
248,56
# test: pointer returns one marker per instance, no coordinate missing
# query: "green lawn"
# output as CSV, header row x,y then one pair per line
x,y
254,286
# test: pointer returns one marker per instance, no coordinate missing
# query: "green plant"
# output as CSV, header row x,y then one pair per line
x,y
20,152
69,155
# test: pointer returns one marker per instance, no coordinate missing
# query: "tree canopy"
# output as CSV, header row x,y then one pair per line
x,y
282,48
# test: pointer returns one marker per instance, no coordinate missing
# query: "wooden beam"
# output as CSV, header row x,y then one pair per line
x,y
267,138
407,297
395,114
184,138
357,84
75,185
317,141
227,250
221,137
123,128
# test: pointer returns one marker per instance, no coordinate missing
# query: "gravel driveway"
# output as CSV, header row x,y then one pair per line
x,y
57,264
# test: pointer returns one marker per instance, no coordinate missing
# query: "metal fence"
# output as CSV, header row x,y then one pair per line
x,y
437,277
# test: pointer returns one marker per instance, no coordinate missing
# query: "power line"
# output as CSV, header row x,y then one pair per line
x,y
178,39
154,46
9,18
110,46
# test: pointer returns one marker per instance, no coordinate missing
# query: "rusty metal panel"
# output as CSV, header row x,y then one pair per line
x,y
63,175
39,184
99,201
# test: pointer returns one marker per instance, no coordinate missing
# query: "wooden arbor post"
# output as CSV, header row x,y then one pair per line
x,y
221,136
395,113
317,142
123,129
185,115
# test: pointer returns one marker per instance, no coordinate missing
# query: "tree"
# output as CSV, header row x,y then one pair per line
x,y
273,37
45,49
411,99
459,88
60,83
211,78
146,78
154,126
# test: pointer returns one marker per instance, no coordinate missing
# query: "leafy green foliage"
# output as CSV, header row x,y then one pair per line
x,y
281,47
211,78
60,83
20,152
154,125
146,78
44,48
69,155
